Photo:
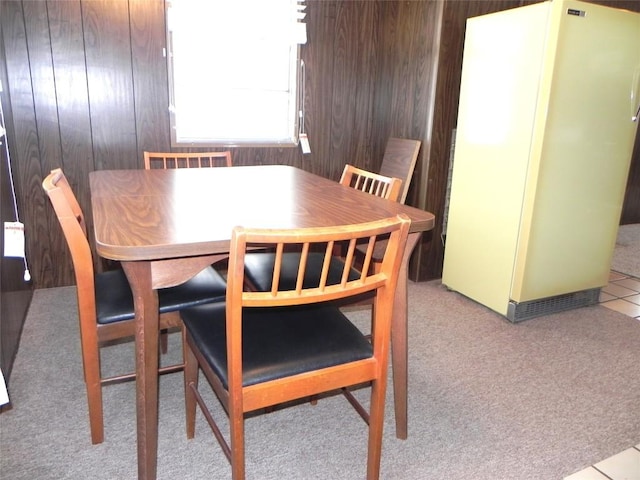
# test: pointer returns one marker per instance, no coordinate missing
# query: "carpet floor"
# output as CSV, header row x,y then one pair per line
x,y
488,399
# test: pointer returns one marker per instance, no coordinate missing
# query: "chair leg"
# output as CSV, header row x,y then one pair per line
x,y
376,422
96,420
93,384
236,427
190,382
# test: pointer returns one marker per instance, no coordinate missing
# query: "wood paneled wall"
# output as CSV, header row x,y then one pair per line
x,y
15,292
434,157
631,207
88,89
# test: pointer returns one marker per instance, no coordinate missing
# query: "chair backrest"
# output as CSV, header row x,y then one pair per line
x,y
399,161
160,160
240,297
70,217
317,240
74,228
373,183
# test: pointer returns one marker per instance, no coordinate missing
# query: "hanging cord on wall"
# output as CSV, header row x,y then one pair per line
x,y
27,275
304,139
303,82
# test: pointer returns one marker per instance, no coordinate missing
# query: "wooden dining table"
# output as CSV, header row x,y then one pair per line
x,y
167,225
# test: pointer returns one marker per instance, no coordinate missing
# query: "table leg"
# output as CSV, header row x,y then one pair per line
x,y
399,340
146,336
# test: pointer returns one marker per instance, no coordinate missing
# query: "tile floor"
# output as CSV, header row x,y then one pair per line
x,y
622,294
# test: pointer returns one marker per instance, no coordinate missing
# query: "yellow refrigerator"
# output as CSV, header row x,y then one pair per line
x,y
547,119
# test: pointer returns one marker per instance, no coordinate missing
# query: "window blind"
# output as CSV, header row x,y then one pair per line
x,y
233,71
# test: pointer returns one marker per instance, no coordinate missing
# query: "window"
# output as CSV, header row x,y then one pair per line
x,y
233,71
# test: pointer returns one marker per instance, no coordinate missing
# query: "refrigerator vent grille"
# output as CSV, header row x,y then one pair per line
x,y
517,312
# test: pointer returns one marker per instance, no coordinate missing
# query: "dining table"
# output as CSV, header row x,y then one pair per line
x,y
165,226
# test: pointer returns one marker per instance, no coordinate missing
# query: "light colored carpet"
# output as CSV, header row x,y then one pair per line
x,y
488,400
626,255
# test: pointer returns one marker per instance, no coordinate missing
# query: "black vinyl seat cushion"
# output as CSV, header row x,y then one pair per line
x,y
114,300
277,342
258,268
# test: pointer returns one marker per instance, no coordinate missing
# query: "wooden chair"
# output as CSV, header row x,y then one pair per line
x,y
166,160
373,183
105,302
266,348
259,265
399,161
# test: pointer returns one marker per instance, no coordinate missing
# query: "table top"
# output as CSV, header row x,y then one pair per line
x,y
155,214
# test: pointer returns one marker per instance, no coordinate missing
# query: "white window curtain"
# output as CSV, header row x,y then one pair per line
x,y
233,71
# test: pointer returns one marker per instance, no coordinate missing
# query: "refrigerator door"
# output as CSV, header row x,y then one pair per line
x,y
583,138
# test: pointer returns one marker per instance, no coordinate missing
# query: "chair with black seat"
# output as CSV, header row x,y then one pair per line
x,y
370,182
164,160
105,302
399,161
266,348
259,265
